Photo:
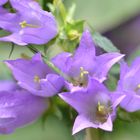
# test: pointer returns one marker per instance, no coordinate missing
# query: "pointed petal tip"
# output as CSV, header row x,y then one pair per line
x,y
75,130
62,95
86,33
108,125
37,56
119,100
8,62
122,55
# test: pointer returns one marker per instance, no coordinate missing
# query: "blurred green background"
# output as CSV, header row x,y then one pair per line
x,y
103,15
106,14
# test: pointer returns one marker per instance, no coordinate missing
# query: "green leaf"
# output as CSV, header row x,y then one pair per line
x,y
71,12
111,82
80,136
128,116
59,11
104,43
133,55
59,4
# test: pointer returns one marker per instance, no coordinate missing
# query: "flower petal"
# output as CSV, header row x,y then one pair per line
x,y
52,85
6,85
86,47
81,123
18,108
107,125
25,71
84,55
131,102
61,61
104,63
15,37
3,2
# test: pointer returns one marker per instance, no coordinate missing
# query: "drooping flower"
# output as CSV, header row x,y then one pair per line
x,y
129,85
95,105
18,108
30,24
35,76
84,62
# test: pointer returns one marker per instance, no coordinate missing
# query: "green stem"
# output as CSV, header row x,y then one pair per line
x,y
12,49
92,134
49,63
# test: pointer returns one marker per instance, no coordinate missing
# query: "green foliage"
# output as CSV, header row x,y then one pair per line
x,y
53,50
135,53
104,43
70,30
80,136
104,15
128,116
12,49
70,35
111,82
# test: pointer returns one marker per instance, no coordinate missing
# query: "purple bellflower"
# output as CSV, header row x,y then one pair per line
x,y
30,24
84,62
35,76
129,85
18,108
95,105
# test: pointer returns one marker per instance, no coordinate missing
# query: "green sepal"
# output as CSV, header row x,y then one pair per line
x,y
74,29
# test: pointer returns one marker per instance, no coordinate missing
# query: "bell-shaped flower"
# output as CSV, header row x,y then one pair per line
x,y
95,105
29,25
84,62
18,107
35,76
129,85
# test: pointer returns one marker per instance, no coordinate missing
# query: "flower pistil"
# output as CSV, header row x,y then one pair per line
x,y
24,24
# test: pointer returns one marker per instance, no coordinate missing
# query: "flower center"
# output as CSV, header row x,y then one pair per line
x,y
36,79
24,24
102,112
81,80
83,72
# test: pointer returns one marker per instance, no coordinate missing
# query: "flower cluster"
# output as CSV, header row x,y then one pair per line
x,y
82,74
29,24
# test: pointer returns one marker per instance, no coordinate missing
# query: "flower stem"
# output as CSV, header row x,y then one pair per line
x,y
92,134
48,62
51,65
